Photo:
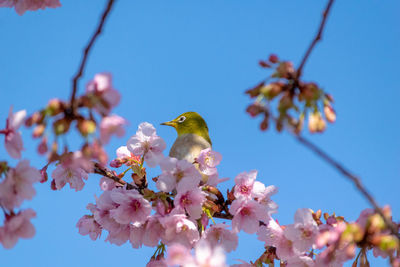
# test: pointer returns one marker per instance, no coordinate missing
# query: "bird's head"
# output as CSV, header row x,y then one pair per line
x,y
190,123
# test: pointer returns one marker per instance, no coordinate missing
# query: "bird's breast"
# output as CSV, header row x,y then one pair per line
x,y
188,147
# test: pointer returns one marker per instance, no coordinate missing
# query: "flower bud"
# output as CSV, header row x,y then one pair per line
x,y
330,114
43,173
42,148
264,64
264,124
38,131
273,58
86,127
61,126
54,107
255,109
35,118
316,123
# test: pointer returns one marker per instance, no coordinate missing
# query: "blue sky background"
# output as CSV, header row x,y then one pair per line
x,y
168,57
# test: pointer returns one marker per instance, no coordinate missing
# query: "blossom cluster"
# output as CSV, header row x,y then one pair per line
x,y
16,185
297,99
179,214
21,6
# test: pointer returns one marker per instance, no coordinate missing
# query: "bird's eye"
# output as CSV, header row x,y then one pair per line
x,y
181,119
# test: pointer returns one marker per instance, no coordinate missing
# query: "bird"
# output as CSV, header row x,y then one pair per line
x,y
192,138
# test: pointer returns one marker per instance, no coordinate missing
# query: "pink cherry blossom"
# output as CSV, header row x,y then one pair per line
x,y
329,234
272,235
157,263
106,184
302,261
303,232
18,185
17,226
178,229
247,215
118,233
13,140
191,201
205,255
208,160
24,5
69,173
218,235
88,226
111,125
179,255
147,143
136,235
133,208
153,231
334,257
265,198
101,90
247,187
179,174
214,180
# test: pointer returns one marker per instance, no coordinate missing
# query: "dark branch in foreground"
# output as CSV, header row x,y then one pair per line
x,y
357,182
109,174
86,54
316,39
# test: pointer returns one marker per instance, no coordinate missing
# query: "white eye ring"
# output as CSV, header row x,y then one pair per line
x,y
181,119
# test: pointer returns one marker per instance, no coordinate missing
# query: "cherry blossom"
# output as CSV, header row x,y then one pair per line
x,y
132,207
179,174
88,226
272,234
13,140
303,232
178,229
247,187
21,6
247,215
146,143
118,233
18,185
205,255
136,235
102,93
157,263
208,160
111,125
106,184
71,173
179,255
218,235
17,226
191,201
153,231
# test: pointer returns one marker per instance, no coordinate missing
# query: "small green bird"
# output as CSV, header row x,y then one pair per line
x,y
192,136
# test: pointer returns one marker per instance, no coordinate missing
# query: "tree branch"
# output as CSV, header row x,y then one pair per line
x,y
316,39
99,169
85,55
356,181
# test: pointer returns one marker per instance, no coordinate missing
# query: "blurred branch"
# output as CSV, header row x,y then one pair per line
x,y
356,181
86,52
316,39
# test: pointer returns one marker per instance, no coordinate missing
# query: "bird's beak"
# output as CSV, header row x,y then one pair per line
x,y
169,123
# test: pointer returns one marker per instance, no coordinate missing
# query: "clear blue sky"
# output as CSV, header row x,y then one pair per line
x,y
168,57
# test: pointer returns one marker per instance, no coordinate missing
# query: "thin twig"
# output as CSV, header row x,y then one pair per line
x,y
357,182
316,39
86,54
